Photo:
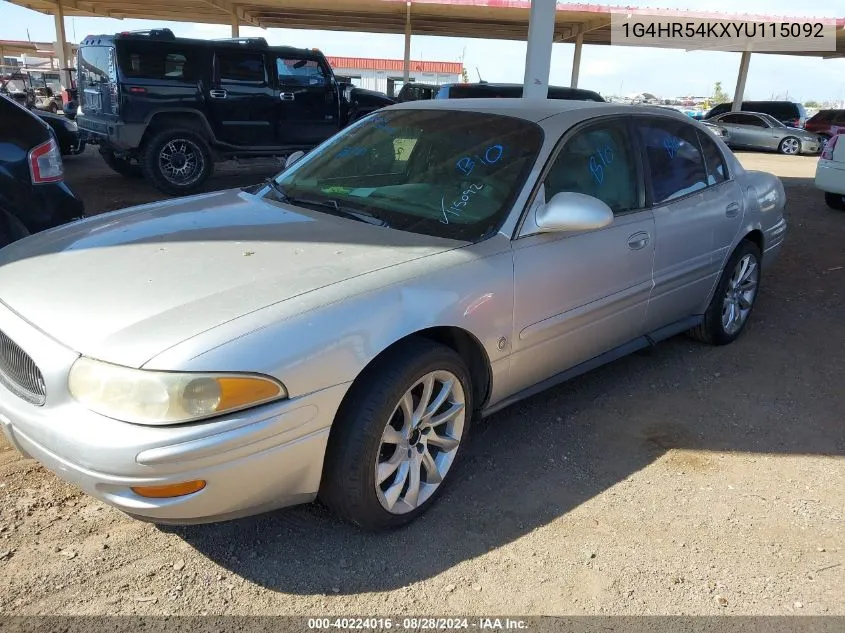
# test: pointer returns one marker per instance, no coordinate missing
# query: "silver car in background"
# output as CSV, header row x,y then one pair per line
x,y
756,130
336,331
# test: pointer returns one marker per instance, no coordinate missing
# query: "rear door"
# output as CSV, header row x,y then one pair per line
x,y
306,103
241,99
697,211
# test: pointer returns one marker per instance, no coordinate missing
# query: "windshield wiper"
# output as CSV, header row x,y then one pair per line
x,y
329,203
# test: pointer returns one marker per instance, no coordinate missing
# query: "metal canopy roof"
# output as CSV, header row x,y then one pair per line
x,y
489,19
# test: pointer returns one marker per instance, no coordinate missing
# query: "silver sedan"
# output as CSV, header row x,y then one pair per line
x,y
335,331
756,130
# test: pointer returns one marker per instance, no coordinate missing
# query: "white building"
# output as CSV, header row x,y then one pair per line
x,y
385,75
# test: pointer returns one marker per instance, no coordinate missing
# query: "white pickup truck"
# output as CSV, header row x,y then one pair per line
x,y
830,172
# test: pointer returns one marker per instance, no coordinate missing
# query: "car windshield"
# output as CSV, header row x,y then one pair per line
x,y
449,174
772,120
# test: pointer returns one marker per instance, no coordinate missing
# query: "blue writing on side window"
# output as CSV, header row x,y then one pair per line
x,y
492,155
672,145
598,161
352,151
381,123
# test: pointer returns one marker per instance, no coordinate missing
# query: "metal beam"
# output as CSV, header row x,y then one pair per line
x,y
538,56
406,66
61,45
576,60
745,60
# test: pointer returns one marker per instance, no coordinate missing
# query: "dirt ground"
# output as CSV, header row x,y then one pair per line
x,y
691,480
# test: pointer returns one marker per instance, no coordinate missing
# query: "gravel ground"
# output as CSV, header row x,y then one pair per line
x,y
689,480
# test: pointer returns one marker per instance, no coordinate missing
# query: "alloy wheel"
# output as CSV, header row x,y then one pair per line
x,y
790,146
181,162
740,294
420,441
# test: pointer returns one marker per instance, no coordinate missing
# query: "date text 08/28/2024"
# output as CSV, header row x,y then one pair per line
x,y
418,624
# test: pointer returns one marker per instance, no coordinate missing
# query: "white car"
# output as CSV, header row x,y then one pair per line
x,y
830,172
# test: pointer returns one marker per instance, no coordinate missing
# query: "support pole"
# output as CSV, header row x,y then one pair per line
x,y
236,30
61,45
576,59
538,56
740,81
407,64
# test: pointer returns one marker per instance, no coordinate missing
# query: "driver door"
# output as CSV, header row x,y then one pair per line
x,y
580,294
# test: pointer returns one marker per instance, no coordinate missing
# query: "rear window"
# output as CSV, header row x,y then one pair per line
x,y
823,116
154,60
95,64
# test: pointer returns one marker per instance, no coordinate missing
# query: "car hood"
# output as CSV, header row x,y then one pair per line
x,y
125,286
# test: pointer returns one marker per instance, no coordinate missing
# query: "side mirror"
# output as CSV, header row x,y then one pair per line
x,y
290,160
570,211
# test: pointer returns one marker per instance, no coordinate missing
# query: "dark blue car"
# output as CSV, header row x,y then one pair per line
x,y
33,194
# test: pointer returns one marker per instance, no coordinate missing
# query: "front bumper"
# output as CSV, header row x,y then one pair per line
x,y
811,147
830,176
252,461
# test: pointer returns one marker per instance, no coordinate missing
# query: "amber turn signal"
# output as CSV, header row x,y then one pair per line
x,y
170,490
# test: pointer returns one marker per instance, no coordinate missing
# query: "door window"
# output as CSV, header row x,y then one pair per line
x,y
714,160
674,159
237,67
599,162
294,71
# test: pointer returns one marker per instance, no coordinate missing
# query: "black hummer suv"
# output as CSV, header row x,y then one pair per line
x,y
167,108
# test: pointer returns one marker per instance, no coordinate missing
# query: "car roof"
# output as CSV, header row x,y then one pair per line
x,y
244,43
537,110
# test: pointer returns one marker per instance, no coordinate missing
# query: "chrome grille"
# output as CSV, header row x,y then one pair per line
x,y
19,373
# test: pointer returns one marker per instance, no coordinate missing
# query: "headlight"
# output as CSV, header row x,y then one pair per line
x,y
159,398
71,126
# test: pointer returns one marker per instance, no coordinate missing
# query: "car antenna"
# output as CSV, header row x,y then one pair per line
x,y
480,80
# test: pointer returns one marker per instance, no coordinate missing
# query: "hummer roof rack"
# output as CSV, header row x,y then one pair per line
x,y
161,33
255,41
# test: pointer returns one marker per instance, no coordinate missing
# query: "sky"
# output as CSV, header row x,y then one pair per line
x,y
606,69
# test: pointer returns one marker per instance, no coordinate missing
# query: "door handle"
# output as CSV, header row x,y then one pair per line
x,y
732,210
287,96
638,241
217,94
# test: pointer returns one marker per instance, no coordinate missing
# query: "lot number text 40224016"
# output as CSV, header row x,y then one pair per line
x,y
419,624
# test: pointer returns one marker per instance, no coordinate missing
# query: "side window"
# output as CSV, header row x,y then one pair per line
x,y
237,67
714,161
597,162
674,159
294,71
732,118
155,61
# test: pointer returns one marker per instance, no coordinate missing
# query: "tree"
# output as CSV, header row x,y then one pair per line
x,y
464,75
812,104
719,95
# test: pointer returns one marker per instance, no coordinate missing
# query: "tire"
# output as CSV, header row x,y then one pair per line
x,y
122,166
53,108
835,201
713,329
790,146
356,444
185,149
80,148
11,229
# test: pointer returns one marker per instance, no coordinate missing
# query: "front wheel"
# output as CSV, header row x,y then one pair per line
x,y
790,146
397,436
835,201
177,161
731,306
53,108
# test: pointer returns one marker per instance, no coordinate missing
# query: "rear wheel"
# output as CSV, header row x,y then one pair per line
x,y
734,298
835,201
790,146
397,436
123,166
11,229
177,161
53,108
